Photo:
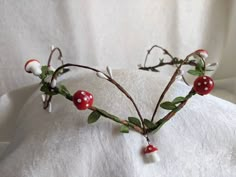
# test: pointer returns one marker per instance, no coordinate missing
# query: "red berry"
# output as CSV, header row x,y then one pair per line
x,y
83,99
203,85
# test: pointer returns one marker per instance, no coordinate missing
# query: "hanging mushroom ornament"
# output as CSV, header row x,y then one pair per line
x,y
202,53
203,85
33,66
150,154
83,99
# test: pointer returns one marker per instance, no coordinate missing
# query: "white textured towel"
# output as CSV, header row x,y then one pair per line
x,y
198,142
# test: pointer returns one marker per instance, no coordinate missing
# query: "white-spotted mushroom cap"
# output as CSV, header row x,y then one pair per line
x,y
83,99
203,85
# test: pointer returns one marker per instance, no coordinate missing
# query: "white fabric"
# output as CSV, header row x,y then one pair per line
x,y
111,32
198,141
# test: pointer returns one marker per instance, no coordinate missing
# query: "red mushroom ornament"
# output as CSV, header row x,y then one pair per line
x,y
150,154
83,99
202,53
33,66
203,85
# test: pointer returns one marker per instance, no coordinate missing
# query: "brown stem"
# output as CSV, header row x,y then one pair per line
x,y
47,101
167,63
122,121
156,46
168,85
51,54
180,106
109,79
185,81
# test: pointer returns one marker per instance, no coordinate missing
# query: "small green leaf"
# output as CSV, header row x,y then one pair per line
x,y
44,88
44,73
135,121
178,100
124,129
195,72
159,124
93,117
168,105
49,73
149,124
44,69
106,114
209,70
200,65
63,90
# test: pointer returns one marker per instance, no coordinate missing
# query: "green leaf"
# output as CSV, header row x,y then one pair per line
x,y
178,100
159,124
106,114
45,89
44,73
135,121
124,129
44,69
149,124
93,117
209,70
195,72
50,73
168,105
200,65
63,90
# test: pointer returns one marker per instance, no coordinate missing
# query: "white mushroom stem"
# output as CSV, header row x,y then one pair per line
x,y
109,71
152,157
101,75
53,83
50,107
43,97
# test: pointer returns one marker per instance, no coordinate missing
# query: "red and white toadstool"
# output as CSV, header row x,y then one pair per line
x,y
33,66
83,99
203,53
151,155
203,85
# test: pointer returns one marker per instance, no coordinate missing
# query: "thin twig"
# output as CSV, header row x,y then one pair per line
x,y
109,79
122,121
180,106
51,54
156,46
175,62
168,85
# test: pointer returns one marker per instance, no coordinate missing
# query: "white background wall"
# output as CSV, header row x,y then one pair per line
x,y
115,33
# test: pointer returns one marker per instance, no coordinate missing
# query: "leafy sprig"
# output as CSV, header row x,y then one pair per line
x,y
141,125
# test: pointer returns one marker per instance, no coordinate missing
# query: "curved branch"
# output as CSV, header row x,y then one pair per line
x,y
108,78
59,57
156,46
168,85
